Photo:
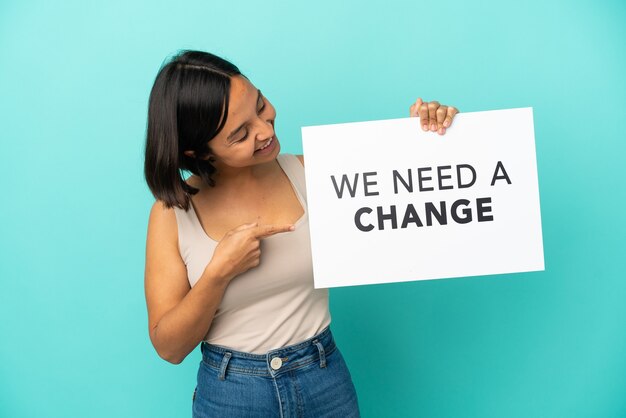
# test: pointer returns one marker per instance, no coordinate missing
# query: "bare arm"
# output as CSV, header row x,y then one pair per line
x,y
179,316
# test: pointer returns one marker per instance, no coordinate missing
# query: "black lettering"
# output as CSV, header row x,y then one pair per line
x,y
385,217
441,215
345,182
410,215
481,209
408,187
467,212
440,177
421,179
367,183
357,219
458,175
504,175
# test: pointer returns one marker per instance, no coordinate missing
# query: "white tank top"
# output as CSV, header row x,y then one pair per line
x,y
269,306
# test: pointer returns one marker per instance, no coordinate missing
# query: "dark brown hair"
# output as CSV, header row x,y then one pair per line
x,y
188,108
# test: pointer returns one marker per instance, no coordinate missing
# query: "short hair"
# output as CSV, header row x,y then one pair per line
x,y
188,107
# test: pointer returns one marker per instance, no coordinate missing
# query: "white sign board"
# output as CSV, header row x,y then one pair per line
x,y
389,202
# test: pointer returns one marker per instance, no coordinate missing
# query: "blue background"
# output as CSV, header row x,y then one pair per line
x,y
74,83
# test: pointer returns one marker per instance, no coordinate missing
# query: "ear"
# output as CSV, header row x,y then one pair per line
x,y
192,154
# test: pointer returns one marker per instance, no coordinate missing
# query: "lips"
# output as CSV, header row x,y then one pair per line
x,y
267,145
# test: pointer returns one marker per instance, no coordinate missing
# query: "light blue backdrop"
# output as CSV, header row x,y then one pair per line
x,y
74,82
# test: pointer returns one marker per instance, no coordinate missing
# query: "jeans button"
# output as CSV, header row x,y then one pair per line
x,y
276,363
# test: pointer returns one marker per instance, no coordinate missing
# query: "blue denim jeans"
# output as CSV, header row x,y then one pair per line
x,y
305,380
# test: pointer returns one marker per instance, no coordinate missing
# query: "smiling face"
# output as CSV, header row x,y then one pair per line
x,y
248,138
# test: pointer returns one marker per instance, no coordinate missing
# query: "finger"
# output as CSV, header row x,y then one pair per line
x,y
245,226
414,109
449,116
441,116
423,110
264,231
432,115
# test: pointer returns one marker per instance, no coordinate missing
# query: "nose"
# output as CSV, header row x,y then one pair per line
x,y
267,130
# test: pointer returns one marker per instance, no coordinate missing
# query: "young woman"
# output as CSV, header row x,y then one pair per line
x,y
228,260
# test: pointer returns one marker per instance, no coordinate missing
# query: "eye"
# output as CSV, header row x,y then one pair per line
x,y
260,108
262,102
242,138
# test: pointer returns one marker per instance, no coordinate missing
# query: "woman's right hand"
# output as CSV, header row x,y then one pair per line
x,y
240,249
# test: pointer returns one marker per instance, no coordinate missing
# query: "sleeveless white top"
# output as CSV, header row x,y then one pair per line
x,y
269,306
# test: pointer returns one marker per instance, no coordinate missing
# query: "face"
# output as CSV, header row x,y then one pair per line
x,y
248,138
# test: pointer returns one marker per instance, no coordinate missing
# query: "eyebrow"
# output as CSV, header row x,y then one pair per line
x,y
230,136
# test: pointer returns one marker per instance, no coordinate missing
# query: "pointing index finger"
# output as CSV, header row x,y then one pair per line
x,y
245,226
264,231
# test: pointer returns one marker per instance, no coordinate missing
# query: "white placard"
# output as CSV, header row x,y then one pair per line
x,y
389,202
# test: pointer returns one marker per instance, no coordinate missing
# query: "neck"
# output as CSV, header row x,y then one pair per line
x,y
240,176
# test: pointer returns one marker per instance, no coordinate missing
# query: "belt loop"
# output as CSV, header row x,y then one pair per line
x,y
320,348
222,373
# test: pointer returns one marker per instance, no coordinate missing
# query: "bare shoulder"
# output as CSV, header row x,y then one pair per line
x,y
162,222
162,236
301,158
165,278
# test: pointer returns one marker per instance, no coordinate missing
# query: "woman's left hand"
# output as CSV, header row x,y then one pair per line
x,y
433,116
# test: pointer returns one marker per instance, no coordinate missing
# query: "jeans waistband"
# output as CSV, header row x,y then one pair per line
x,y
274,362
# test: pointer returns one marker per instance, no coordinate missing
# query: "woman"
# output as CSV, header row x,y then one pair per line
x,y
228,260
